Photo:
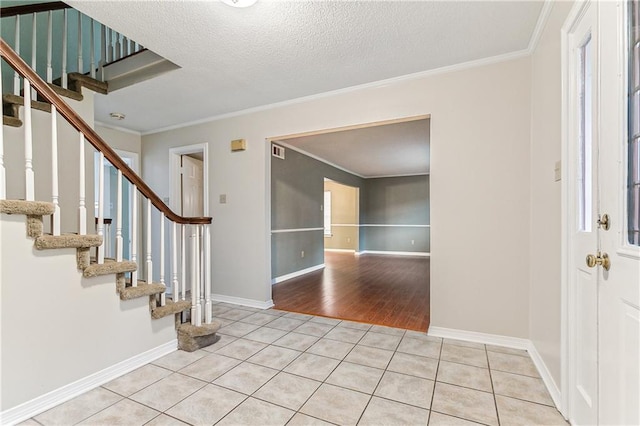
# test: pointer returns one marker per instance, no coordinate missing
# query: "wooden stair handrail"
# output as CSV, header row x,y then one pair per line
x,y
91,136
32,8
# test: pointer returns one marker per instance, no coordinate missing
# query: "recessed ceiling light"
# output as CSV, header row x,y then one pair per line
x,y
240,3
117,115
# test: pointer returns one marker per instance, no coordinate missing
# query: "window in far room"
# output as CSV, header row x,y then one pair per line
x,y
327,213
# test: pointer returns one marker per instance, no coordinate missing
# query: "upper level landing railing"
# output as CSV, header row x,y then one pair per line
x,y
56,40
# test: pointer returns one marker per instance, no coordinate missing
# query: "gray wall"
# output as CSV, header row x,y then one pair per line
x,y
390,209
297,187
297,196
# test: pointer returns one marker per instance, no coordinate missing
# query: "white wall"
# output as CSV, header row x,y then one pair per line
x,y
120,140
544,293
480,212
58,327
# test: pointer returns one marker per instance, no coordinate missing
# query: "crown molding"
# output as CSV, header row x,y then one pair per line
x,y
376,84
118,128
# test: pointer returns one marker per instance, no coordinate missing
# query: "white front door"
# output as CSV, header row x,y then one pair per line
x,y
619,288
604,265
581,103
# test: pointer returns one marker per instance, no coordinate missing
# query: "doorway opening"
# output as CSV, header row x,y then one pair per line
x,y
350,223
341,210
189,177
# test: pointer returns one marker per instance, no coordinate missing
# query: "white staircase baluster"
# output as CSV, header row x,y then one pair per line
x,y
125,46
183,260
109,45
195,300
103,50
134,234
28,144
198,280
33,48
80,64
82,208
16,76
100,224
3,175
119,247
207,274
148,245
132,46
201,276
107,238
174,261
92,49
118,46
163,300
65,24
55,217
49,46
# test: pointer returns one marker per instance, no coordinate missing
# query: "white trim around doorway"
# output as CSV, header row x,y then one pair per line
x,y
174,173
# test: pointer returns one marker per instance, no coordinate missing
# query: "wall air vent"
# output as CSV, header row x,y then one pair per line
x,y
277,151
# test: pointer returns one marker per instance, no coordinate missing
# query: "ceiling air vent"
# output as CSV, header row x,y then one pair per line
x,y
277,151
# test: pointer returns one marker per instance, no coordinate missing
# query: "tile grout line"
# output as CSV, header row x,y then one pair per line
x,y
384,371
493,391
435,381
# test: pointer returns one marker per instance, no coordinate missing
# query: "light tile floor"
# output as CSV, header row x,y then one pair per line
x,y
275,368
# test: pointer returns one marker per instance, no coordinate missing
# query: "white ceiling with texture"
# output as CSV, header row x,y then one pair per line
x,y
387,150
235,59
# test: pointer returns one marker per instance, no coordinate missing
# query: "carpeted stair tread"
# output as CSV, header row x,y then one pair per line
x,y
109,266
67,241
10,99
170,308
8,120
142,289
192,338
31,208
77,81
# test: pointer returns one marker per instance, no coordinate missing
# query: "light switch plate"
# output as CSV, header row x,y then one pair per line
x,y
558,171
223,198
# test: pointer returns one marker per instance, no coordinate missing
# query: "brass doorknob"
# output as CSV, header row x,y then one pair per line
x,y
599,259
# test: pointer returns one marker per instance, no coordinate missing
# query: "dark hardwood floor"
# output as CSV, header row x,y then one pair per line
x,y
384,290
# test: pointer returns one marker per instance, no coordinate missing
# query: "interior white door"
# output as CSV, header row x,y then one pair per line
x,y
583,281
192,187
619,171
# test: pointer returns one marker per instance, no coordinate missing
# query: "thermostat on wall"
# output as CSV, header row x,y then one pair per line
x,y
238,145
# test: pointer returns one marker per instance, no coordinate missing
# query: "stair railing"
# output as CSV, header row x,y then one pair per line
x,y
85,46
194,278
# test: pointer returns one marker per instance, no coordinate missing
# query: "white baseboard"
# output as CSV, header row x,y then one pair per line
x,y
340,250
395,253
485,338
296,274
49,400
252,303
546,376
509,342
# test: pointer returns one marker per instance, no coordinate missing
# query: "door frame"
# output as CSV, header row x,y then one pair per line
x,y
568,211
174,174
